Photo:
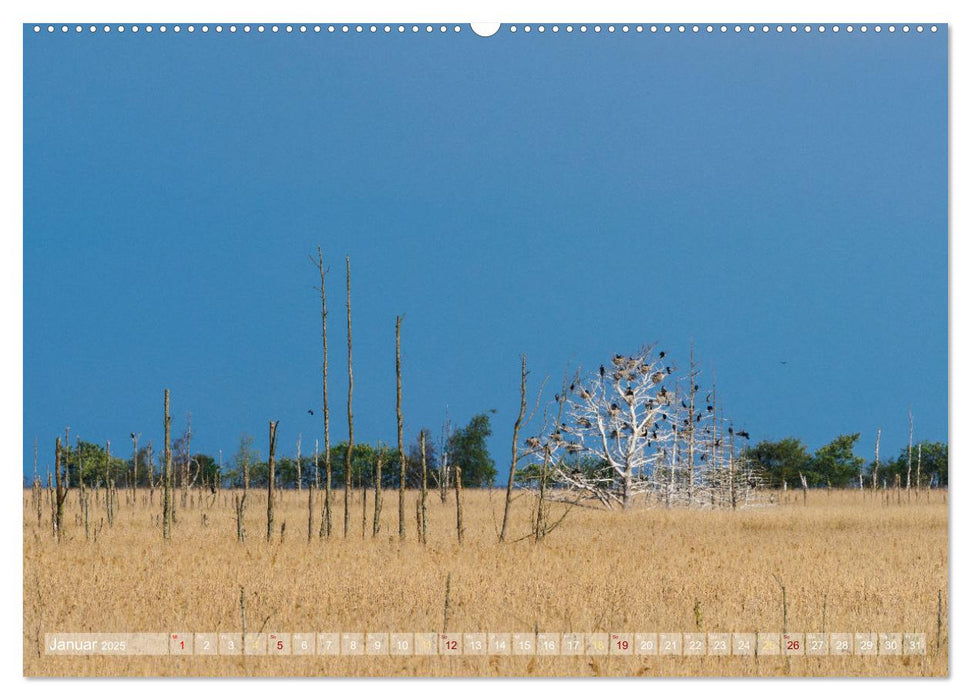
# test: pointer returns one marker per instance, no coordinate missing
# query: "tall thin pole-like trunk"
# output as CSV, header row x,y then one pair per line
x,y
424,491
270,481
299,464
310,510
83,492
109,492
876,461
240,502
910,448
325,522
134,482
731,472
692,389
151,475
918,470
61,491
187,460
348,455
376,528
459,528
515,449
167,476
401,440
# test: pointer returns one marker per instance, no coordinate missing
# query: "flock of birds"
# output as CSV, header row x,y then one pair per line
x,y
627,368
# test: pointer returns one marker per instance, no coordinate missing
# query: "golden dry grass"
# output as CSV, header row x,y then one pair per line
x,y
849,563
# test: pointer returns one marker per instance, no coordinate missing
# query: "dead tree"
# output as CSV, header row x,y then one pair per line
x,y
61,493
299,464
550,447
240,502
350,413
918,470
459,527
376,527
618,416
134,459
85,498
910,447
271,478
401,441
689,423
167,476
443,464
151,475
876,462
325,522
423,511
515,449
310,511
186,460
110,486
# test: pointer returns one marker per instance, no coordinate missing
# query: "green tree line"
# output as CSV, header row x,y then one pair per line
x,y
836,465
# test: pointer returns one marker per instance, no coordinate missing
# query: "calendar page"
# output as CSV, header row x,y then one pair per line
x,y
519,349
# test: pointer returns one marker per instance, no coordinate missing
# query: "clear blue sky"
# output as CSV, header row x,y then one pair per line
x,y
774,197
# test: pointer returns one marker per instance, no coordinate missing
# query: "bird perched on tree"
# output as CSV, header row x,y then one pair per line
x,y
583,422
657,377
661,354
602,371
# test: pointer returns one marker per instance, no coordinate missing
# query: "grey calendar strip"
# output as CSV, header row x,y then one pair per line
x,y
487,644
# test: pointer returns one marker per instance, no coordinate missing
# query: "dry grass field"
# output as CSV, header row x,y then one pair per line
x,y
849,562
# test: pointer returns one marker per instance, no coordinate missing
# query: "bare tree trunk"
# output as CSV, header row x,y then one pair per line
x,y
350,414
731,472
61,491
151,476
515,449
83,492
876,462
310,511
918,470
401,440
363,511
271,478
325,522
459,528
240,501
299,464
424,492
910,448
167,476
376,528
187,460
109,502
134,484
692,389
443,467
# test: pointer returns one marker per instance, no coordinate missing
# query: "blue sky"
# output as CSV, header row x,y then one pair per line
x,y
774,197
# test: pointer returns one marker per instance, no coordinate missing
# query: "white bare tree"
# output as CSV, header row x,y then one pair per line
x,y
619,416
